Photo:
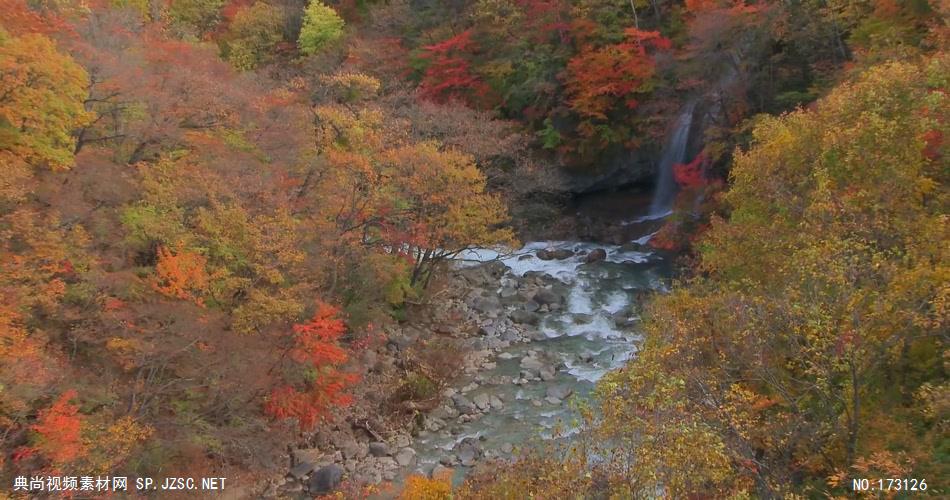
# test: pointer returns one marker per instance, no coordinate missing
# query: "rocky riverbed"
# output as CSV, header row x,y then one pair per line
x,y
539,327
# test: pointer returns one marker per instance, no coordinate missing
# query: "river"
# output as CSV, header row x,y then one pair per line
x,y
526,389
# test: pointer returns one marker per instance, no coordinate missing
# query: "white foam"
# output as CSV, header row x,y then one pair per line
x,y
580,300
615,303
643,240
564,269
648,217
586,372
620,257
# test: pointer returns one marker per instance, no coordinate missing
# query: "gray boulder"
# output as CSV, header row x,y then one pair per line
x,y
463,405
524,317
302,469
405,457
326,479
560,391
496,269
487,305
547,373
482,401
378,449
468,451
547,297
531,363
440,471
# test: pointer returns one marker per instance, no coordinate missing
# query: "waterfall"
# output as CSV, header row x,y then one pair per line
x,y
673,152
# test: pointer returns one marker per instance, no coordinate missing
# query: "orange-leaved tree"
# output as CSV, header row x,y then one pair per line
x,y
180,274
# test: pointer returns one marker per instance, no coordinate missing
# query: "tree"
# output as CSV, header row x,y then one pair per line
x,y
26,367
819,313
599,77
180,274
313,346
448,75
41,101
692,174
196,18
321,27
148,92
438,207
252,36
58,430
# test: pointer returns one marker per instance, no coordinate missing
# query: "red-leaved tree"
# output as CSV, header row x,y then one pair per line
x,y
692,174
59,431
599,78
314,348
448,76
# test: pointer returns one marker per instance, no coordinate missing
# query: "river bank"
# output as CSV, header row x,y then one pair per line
x,y
527,332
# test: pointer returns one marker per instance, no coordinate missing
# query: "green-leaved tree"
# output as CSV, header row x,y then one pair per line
x,y
321,27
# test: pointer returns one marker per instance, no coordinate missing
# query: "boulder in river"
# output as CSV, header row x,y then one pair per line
x,y
496,403
463,405
468,451
562,253
531,363
625,318
560,391
547,297
482,401
582,319
595,255
496,268
630,247
524,317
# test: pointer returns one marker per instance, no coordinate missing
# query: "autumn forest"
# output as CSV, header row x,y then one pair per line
x,y
474,249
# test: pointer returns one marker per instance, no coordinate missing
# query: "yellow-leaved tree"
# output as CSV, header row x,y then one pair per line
x,y
794,361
